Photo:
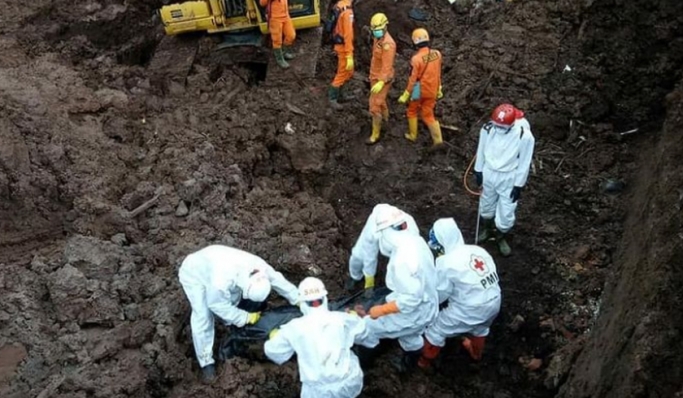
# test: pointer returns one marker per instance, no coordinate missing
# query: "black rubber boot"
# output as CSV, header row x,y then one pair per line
x,y
333,96
406,362
366,356
350,284
208,373
503,245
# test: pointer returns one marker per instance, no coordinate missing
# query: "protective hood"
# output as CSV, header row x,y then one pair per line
x,y
448,234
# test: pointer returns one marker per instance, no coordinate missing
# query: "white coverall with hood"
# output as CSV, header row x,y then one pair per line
x,y
504,158
469,281
363,260
411,276
213,279
322,341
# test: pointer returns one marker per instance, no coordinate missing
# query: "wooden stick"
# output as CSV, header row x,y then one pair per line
x,y
143,207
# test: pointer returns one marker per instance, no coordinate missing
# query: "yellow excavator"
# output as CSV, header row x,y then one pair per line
x,y
232,16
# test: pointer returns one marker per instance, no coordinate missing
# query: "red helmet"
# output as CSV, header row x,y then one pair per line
x,y
506,114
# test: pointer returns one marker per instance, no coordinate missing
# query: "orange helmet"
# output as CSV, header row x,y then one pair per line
x,y
420,35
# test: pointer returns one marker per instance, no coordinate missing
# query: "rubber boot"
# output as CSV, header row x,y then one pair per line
x,y
429,354
406,362
474,346
486,230
503,246
280,58
287,53
385,114
366,356
412,129
350,284
333,96
376,128
208,373
437,139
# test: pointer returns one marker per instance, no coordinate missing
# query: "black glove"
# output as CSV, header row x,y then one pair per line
x,y
479,178
515,194
350,284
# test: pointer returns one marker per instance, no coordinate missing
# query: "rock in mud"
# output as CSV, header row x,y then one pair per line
x,y
182,210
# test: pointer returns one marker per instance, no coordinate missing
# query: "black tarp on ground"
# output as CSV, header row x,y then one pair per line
x,y
248,341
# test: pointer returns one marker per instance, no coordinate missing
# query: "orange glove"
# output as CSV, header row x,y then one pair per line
x,y
386,309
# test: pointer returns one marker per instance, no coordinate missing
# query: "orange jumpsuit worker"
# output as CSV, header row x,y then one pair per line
x,y
279,24
342,37
381,73
426,74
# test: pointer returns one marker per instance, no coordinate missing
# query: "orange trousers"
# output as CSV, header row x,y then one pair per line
x,y
280,27
378,102
342,75
426,108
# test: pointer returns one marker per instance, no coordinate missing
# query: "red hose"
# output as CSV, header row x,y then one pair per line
x,y
464,178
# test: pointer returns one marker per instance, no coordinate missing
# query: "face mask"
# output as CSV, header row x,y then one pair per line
x,y
378,33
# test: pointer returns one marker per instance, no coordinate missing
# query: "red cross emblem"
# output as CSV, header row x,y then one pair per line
x,y
478,265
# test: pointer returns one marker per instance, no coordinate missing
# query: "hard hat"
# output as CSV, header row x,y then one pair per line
x,y
420,35
378,21
389,216
258,287
311,289
504,115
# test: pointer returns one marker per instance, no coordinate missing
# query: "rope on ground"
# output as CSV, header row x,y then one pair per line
x,y
464,178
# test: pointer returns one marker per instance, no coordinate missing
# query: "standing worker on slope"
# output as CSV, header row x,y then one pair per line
x,y
504,153
279,24
424,88
469,281
322,341
215,280
363,260
342,37
381,73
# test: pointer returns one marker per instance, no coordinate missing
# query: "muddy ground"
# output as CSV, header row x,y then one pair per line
x,y
91,306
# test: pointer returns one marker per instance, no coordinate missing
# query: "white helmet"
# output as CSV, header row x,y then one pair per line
x,y
258,286
311,289
388,216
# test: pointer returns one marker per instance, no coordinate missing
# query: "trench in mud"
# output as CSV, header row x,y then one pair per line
x,y
301,199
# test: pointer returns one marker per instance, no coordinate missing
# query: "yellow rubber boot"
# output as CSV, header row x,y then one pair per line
x,y
412,129
435,131
376,128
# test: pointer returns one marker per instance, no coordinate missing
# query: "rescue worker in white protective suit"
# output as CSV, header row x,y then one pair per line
x,y
363,260
413,302
468,280
504,153
215,280
322,340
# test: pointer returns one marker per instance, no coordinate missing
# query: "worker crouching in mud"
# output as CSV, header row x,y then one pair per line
x,y
469,281
216,279
413,301
322,341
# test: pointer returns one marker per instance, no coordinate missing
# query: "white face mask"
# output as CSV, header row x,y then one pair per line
x,y
387,241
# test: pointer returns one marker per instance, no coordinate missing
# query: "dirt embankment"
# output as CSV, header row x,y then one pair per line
x,y
92,306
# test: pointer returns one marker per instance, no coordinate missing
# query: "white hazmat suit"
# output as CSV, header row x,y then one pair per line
x,y
413,301
214,280
469,281
504,158
322,341
363,260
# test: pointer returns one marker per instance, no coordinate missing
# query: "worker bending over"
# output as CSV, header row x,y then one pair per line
x,y
413,302
363,260
280,24
424,88
322,341
468,280
342,38
215,279
381,73
504,153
